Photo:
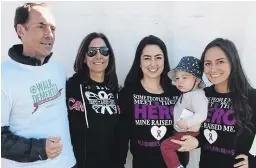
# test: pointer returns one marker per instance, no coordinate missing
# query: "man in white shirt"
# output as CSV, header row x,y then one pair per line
x,y
34,124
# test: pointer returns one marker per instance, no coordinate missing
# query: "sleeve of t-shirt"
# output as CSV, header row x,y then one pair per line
x,y
6,106
246,142
200,107
124,101
252,154
14,147
68,95
252,151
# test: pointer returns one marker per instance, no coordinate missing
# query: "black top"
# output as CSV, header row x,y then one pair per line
x,y
16,53
146,120
219,132
94,141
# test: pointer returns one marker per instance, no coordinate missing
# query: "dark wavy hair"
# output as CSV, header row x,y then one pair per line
x,y
135,74
238,84
110,77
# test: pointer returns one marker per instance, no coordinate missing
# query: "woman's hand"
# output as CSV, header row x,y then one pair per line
x,y
187,143
182,124
244,163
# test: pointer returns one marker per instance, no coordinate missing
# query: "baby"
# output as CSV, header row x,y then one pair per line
x,y
190,109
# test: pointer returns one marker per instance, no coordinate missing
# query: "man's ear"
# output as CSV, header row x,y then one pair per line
x,y
20,30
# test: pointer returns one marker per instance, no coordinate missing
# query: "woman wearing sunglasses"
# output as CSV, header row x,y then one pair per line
x,y
91,101
146,103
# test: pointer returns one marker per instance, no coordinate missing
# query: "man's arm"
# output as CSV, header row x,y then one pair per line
x,y
14,147
20,149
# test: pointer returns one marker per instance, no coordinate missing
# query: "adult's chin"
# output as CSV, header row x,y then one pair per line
x,y
215,81
45,53
153,76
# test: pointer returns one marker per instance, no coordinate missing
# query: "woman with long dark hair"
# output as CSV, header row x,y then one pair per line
x,y
146,103
227,136
91,100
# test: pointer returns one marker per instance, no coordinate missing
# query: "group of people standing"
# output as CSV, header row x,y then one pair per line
x,y
88,121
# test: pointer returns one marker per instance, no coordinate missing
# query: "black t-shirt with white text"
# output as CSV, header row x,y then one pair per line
x,y
94,132
218,136
146,120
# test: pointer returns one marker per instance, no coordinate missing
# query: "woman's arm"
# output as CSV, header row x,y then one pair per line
x,y
187,143
248,160
125,120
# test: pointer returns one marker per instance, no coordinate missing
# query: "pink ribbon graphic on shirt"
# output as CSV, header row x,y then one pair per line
x,y
36,105
210,137
158,133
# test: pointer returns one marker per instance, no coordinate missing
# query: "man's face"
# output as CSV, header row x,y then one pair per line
x,y
38,34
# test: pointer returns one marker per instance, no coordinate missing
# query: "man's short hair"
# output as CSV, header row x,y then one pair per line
x,y
22,13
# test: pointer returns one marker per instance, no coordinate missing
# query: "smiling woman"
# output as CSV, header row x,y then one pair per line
x,y
152,61
223,68
217,67
146,102
93,127
97,58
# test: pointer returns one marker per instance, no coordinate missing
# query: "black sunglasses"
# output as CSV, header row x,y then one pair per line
x,y
92,51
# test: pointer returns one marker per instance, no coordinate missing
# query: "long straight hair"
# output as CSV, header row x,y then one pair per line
x,y
135,74
110,77
238,84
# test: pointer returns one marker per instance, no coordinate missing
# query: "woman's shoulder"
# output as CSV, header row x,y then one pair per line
x,y
252,98
73,81
208,88
252,93
210,92
126,90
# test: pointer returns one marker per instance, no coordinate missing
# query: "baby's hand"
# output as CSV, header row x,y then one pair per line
x,y
182,124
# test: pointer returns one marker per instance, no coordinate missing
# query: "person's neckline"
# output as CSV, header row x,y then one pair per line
x,y
148,92
16,54
221,93
98,83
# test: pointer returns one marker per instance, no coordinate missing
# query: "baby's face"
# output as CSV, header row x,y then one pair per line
x,y
185,81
